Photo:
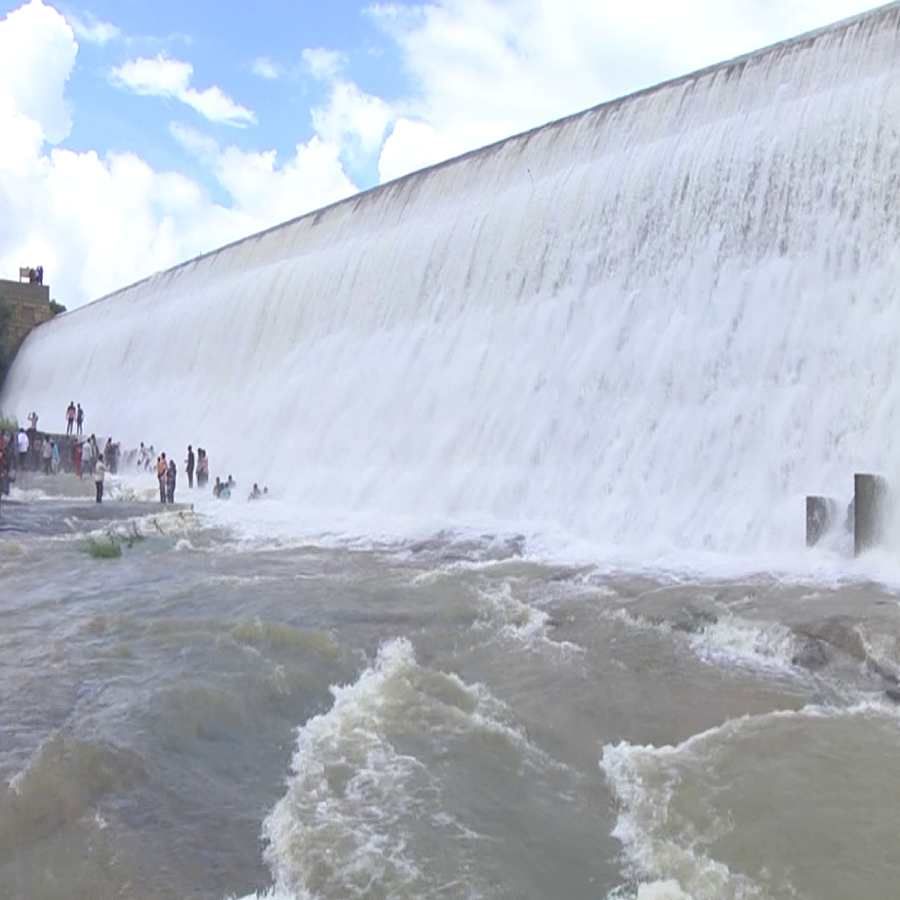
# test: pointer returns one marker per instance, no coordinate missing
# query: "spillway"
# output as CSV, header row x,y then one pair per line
x,y
655,324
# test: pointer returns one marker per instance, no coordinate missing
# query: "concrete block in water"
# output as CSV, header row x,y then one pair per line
x,y
821,513
870,499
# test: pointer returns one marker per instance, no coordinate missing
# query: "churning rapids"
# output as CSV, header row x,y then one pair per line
x,y
444,718
506,405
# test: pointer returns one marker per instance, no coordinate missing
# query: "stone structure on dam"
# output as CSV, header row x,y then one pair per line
x,y
657,324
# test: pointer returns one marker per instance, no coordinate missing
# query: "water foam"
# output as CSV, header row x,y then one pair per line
x,y
665,853
361,782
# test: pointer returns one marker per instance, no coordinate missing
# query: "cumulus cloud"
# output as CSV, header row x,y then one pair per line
x,y
263,67
264,190
33,74
98,221
161,76
322,63
91,30
481,70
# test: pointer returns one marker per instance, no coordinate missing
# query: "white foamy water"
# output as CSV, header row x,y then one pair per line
x,y
684,835
348,823
657,324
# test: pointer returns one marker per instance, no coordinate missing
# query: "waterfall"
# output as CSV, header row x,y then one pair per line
x,y
658,323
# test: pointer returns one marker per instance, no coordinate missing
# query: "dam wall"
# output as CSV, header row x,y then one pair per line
x,y
657,325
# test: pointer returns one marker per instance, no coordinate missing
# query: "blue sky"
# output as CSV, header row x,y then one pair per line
x,y
222,41
136,135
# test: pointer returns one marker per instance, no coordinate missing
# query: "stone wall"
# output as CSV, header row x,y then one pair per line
x,y
28,305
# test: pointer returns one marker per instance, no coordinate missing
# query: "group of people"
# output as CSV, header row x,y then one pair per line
x,y
167,471
31,450
74,419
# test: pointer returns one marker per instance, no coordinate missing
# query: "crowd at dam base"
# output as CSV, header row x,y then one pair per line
x,y
30,450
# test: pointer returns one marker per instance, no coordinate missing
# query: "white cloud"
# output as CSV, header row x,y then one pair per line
x,y
323,64
161,76
264,68
482,70
96,222
91,30
353,120
265,191
33,73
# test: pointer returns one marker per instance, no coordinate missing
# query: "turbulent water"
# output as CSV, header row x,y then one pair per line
x,y
215,714
534,421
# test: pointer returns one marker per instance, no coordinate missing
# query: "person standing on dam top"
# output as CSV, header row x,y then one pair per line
x,y
189,466
70,418
79,420
171,478
99,476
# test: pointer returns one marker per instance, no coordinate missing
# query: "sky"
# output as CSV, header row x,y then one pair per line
x,y
135,135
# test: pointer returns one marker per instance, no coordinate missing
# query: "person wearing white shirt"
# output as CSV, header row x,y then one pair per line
x,y
22,445
47,455
99,476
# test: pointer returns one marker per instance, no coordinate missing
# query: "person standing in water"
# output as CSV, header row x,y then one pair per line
x,y
47,454
189,467
202,468
22,446
171,477
87,456
161,474
99,476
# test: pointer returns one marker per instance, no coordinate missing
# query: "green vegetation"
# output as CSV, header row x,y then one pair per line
x,y
8,423
108,549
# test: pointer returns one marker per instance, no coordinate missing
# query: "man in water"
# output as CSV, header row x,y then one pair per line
x,y
202,468
189,466
87,457
256,493
99,476
22,445
171,476
162,469
47,454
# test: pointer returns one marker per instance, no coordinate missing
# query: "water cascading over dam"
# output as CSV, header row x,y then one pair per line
x,y
658,323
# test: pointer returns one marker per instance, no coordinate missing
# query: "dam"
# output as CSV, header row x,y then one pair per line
x,y
528,614
654,325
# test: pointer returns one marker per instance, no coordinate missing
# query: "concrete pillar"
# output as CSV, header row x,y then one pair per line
x,y
870,499
821,513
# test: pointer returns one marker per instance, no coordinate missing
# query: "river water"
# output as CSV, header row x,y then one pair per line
x,y
221,712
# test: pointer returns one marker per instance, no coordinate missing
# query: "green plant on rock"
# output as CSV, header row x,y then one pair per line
x,y
109,548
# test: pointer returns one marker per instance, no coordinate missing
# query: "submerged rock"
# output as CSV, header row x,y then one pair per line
x,y
812,655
